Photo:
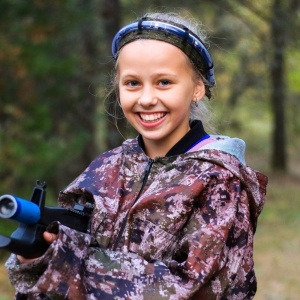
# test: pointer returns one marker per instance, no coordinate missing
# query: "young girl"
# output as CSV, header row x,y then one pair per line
x,y
175,209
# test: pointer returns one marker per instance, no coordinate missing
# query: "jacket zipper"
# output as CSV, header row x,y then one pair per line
x,y
145,177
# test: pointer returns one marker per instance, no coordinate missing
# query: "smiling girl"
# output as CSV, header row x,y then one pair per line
x,y
156,91
175,209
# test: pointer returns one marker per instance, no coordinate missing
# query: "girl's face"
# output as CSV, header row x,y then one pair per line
x,y
157,85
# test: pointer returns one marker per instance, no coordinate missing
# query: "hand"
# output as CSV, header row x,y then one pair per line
x,y
49,238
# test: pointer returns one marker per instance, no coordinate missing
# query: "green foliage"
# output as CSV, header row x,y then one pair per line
x,y
53,61
44,94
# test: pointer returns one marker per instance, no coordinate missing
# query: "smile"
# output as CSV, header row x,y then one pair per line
x,y
151,117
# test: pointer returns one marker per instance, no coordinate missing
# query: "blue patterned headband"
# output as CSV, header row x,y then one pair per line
x,y
173,33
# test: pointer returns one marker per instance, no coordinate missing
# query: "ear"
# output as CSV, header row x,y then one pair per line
x,y
199,90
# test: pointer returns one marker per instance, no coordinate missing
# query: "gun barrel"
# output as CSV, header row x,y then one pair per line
x,y
23,211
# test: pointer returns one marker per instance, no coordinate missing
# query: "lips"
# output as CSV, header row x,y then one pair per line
x,y
151,117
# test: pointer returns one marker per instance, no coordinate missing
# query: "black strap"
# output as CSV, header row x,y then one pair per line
x,y
186,35
140,29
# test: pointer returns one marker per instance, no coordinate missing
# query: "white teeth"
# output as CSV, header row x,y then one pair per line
x,y
152,117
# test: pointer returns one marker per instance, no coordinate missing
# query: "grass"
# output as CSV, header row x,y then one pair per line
x,y
6,290
277,243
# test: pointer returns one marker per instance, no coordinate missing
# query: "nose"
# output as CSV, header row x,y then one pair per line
x,y
147,97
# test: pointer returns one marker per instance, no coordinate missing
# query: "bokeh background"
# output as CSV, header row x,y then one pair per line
x,y
55,65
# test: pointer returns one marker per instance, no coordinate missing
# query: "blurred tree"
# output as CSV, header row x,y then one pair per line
x,y
278,18
116,123
278,28
283,16
47,108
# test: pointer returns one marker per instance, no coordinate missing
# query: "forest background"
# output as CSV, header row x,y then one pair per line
x,y
55,65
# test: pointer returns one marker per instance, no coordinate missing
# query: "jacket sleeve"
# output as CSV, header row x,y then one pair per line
x,y
212,247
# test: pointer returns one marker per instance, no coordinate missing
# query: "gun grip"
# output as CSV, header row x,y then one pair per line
x,y
26,241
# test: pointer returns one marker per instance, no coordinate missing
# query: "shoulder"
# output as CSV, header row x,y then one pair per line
x,y
113,156
97,175
225,155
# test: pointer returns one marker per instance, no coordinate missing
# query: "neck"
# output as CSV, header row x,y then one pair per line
x,y
157,148
154,149
161,147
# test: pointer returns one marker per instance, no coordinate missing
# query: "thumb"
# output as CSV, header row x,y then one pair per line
x,y
49,237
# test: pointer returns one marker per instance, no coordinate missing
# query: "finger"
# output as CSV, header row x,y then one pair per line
x,y
49,237
23,260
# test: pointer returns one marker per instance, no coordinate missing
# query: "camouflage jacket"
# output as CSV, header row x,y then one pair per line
x,y
175,227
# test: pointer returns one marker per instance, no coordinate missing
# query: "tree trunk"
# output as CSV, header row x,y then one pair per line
x,y
84,107
111,24
87,109
278,95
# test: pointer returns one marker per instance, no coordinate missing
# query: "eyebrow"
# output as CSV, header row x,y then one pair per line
x,y
159,74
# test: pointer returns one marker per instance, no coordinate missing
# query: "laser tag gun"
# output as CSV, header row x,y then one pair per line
x,y
34,217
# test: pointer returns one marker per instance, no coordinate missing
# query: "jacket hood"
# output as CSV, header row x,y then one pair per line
x,y
230,154
233,146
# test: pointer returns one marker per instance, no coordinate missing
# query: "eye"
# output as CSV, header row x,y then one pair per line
x,y
164,82
132,83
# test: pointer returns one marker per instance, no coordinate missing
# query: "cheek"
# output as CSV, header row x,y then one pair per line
x,y
123,98
182,99
126,103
